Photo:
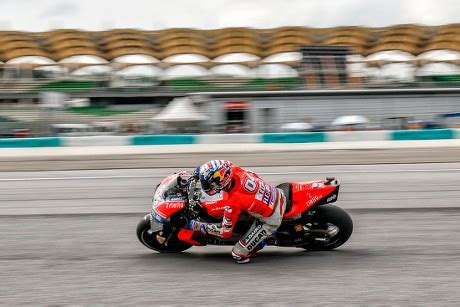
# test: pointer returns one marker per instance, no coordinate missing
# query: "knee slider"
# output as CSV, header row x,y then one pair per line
x,y
237,257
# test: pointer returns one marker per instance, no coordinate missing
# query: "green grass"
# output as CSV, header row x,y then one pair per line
x,y
272,84
66,86
187,83
100,111
447,78
255,84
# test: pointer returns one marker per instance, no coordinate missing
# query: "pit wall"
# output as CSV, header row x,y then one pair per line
x,y
300,137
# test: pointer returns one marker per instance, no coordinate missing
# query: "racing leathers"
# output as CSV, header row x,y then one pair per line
x,y
248,193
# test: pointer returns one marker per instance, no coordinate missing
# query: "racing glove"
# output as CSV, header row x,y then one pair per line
x,y
205,228
229,221
197,226
196,173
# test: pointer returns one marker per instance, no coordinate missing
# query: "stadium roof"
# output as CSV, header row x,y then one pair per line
x,y
64,44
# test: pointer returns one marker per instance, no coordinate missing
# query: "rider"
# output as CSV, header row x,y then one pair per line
x,y
245,192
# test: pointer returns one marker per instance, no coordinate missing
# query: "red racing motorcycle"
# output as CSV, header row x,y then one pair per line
x,y
310,221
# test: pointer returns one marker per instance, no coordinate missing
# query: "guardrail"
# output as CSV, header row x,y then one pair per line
x,y
31,142
27,91
299,137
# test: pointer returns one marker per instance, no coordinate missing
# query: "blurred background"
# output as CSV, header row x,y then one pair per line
x,y
70,82
215,79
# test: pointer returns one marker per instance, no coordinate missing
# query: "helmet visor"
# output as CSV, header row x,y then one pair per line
x,y
210,189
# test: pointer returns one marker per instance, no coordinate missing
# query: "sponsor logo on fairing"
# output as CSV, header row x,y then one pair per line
x,y
216,208
313,200
176,198
333,197
174,205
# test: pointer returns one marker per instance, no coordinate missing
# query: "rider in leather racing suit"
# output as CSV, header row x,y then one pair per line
x,y
245,192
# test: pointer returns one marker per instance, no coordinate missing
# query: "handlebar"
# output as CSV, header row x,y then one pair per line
x,y
189,190
192,194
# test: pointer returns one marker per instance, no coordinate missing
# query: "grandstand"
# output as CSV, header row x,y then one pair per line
x,y
117,69
398,53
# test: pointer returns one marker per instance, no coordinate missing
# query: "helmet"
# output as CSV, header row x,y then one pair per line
x,y
215,175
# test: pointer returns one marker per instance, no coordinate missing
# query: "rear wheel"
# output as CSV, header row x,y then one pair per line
x,y
330,227
162,241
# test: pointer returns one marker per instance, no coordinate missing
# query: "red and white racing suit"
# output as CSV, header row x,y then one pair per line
x,y
249,193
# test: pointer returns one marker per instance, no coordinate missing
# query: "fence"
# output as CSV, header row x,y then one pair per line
x,y
263,111
312,137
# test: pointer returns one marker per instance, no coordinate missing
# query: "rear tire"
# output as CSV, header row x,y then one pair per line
x,y
328,215
159,241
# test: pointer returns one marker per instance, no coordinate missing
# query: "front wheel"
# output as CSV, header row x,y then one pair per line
x,y
331,227
162,241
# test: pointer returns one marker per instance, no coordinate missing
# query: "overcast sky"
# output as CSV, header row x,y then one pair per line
x,y
42,15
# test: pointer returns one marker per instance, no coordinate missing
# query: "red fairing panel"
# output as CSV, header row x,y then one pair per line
x,y
187,236
168,208
307,194
164,207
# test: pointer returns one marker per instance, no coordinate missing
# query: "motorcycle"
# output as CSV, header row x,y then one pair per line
x,y
310,220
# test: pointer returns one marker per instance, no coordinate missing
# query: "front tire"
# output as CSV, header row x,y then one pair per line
x,y
161,241
327,216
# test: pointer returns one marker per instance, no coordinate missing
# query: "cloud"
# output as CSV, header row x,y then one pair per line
x,y
62,9
40,15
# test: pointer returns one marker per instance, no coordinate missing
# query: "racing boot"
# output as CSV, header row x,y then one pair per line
x,y
240,259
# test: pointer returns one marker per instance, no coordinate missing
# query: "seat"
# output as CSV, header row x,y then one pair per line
x,y
287,189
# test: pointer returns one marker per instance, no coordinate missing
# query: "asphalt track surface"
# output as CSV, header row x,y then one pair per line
x,y
248,155
68,237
